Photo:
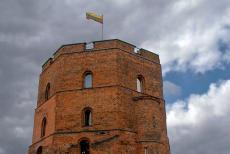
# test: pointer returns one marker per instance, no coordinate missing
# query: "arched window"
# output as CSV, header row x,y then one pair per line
x,y
154,122
39,150
146,150
47,92
140,83
43,127
88,80
84,145
87,117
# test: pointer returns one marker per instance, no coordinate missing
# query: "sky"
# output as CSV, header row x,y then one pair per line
x,y
192,38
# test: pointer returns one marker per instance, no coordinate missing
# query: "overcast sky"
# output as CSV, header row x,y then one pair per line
x,y
192,38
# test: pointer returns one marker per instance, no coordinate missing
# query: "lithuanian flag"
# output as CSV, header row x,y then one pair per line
x,y
95,17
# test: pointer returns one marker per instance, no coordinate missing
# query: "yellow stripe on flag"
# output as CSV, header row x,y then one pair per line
x,y
94,17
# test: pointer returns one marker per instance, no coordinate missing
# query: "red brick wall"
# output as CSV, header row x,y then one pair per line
x,y
46,110
122,118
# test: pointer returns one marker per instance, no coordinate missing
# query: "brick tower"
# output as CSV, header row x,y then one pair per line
x,y
100,98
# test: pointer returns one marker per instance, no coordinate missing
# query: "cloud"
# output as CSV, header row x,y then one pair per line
x,y
187,34
18,78
200,124
171,88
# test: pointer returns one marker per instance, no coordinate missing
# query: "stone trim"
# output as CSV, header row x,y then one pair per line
x,y
84,131
137,98
144,95
93,51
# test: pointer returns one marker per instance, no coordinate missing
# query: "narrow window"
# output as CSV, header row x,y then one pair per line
x,y
88,117
84,144
39,150
88,80
43,128
146,150
154,122
47,92
140,84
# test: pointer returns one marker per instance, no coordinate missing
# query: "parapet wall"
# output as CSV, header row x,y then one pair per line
x,y
102,45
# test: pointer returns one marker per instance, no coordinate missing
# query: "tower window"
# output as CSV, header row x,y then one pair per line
x,y
154,122
88,80
140,84
146,150
84,144
87,117
39,150
43,128
47,92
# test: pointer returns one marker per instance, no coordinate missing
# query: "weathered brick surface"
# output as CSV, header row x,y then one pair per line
x,y
124,121
46,110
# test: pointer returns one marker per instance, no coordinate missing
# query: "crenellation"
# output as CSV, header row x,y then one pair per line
x,y
70,48
101,45
125,46
47,64
149,55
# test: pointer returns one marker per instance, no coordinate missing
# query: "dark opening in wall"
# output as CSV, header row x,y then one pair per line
x,y
84,144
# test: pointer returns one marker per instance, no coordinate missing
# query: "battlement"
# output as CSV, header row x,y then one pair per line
x,y
102,45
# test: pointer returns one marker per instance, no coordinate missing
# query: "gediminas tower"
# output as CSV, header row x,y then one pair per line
x,y
105,97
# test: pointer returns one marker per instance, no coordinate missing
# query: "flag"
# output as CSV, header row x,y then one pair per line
x,y
95,17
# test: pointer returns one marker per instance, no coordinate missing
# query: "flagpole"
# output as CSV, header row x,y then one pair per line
x,y
102,26
97,18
